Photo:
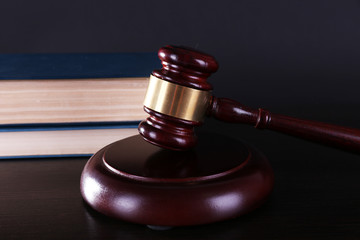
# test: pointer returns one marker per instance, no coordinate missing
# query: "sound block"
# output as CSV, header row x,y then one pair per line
x,y
135,181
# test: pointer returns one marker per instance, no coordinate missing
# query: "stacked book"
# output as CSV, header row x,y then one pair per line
x,y
70,104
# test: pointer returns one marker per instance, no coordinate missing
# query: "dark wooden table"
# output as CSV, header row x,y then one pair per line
x,y
316,196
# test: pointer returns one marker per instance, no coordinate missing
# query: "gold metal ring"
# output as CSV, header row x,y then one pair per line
x,y
176,100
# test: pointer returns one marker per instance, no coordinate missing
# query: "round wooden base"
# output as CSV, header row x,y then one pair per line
x,y
135,181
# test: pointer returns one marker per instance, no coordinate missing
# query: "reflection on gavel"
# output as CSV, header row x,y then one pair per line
x,y
178,98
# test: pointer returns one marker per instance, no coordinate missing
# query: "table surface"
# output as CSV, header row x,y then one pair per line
x,y
316,196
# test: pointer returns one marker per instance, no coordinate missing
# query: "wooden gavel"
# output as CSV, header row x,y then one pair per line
x,y
179,97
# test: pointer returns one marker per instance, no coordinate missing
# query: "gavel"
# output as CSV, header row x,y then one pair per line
x,y
179,97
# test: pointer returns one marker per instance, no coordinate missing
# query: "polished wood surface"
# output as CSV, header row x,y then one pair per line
x,y
133,180
168,132
186,67
316,195
191,68
231,111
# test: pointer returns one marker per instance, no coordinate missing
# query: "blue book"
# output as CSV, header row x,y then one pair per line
x,y
60,140
70,104
67,88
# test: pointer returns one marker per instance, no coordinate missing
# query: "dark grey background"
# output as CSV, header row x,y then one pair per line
x,y
296,57
287,56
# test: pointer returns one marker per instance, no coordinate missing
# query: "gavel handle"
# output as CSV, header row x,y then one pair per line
x,y
231,111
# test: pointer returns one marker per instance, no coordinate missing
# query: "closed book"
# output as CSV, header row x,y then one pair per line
x,y
66,88
60,140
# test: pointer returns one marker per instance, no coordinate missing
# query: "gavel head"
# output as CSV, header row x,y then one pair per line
x,y
177,98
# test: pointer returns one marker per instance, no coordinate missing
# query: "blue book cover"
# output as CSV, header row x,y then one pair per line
x,y
77,65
